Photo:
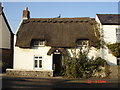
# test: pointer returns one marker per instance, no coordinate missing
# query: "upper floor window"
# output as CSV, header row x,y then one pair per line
x,y
118,34
38,43
82,42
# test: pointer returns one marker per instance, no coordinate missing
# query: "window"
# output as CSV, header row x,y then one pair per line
x,y
82,42
118,34
37,62
37,43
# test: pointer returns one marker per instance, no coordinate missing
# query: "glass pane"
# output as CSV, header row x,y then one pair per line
x,y
118,31
42,42
79,42
36,63
36,57
36,42
118,37
40,63
40,57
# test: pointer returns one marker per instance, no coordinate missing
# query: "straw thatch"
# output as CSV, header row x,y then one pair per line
x,y
58,32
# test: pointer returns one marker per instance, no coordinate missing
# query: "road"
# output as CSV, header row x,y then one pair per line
x,y
30,82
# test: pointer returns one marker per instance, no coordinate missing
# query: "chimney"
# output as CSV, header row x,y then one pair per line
x,y
26,14
1,8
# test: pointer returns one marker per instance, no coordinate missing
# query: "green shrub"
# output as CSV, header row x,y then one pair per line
x,y
115,49
82,67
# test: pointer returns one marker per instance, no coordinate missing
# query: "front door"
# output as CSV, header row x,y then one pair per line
x,y
57,64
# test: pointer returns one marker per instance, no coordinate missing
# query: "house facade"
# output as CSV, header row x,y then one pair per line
x,y
6,40
41,43
110,30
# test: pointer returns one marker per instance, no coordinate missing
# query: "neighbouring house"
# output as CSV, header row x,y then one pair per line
x,y
41,43
110,29
6,42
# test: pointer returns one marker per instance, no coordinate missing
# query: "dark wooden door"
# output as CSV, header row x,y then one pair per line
x,y
57,65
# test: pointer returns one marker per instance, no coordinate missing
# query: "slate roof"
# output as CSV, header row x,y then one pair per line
x,y
109,19
58,32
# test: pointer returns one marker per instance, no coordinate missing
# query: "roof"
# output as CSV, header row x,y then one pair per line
x,y
58,32
7,23
109,19
3,15
61,50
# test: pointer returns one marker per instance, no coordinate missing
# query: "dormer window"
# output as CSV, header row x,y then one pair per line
x,y
38,43
82,42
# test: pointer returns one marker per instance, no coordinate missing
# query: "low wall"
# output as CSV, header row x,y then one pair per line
x,y
114,72
30,73
109,71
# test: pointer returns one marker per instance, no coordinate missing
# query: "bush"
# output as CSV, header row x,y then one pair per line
x,y
82,67
115,49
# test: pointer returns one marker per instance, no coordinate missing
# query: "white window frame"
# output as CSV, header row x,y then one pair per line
x,y
117,35
38,59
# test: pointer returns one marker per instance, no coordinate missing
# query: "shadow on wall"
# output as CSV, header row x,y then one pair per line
x,y
105,54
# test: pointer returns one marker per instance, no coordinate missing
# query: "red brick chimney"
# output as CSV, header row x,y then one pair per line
x,y
26,14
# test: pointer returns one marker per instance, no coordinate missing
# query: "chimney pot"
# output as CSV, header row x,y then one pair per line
x,y
26,13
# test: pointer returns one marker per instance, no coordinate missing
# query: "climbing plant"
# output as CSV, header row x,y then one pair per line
x,y
115,49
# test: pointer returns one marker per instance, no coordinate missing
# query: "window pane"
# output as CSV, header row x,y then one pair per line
x,y
79,42
118,31
41,42
118,37
36,57
40,57
40,63
36,42
36,63
82,42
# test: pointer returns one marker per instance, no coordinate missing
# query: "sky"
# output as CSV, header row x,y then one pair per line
x,y
13,10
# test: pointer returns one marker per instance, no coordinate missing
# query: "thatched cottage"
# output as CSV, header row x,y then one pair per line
x,y
42,43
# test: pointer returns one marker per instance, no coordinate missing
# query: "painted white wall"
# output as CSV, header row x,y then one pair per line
x,y
109,32
24,58
93,52
109,36
6,37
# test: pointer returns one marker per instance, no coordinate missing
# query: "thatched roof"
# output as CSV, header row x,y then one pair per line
x,y
109,19
58,32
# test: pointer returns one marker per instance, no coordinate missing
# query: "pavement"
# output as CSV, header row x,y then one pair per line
x,y
57,82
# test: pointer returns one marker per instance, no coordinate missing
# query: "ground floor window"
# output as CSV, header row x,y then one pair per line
x,y
118,61
37,62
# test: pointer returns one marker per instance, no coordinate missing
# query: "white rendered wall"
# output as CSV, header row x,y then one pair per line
x,y
109,36
6,37
109,32
24,58
93,52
